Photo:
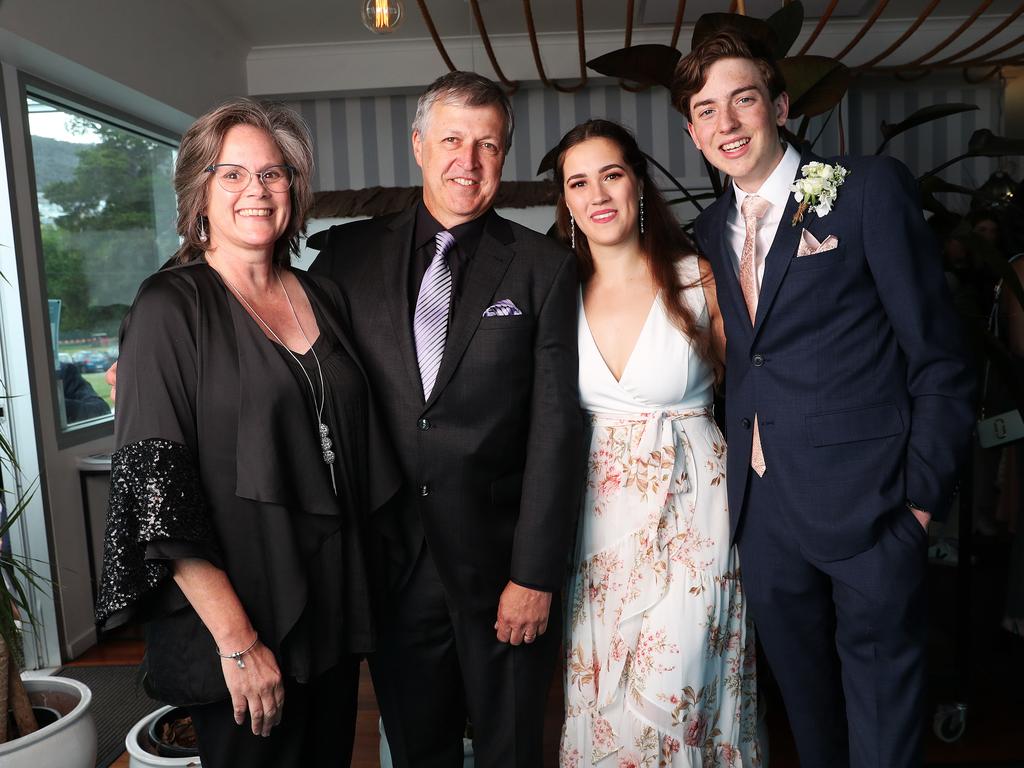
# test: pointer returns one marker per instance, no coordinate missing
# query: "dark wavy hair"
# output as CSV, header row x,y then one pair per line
x,y
200,147
663,242
691,72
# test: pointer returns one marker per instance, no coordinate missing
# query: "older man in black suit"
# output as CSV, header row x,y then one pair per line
x,y
466,323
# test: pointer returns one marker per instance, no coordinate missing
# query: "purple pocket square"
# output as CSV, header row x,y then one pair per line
x,y
503,308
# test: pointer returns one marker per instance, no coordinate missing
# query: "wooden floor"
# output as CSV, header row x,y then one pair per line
x,y
367,741
991,680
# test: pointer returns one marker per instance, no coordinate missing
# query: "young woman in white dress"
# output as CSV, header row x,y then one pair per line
x,y
659,659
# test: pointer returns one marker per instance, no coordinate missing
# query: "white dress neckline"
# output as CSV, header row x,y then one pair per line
x,y
664,371
585,324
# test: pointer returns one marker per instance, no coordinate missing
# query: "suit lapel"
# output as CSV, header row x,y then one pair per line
x,y
728,283
488,266
394,263
780,255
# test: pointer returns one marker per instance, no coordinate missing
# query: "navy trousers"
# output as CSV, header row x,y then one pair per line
x,y
845,639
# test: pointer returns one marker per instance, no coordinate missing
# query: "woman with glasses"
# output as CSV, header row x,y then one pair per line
x,y
247,455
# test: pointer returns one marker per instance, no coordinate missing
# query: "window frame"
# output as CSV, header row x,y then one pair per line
x,y
33,87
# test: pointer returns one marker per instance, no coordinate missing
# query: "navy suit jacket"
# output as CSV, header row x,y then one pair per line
x,y
855,364
493,459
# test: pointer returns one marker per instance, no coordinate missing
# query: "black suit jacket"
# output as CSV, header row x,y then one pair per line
x,y
855,365
493,460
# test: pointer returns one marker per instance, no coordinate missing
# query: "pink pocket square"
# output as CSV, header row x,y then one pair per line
x,y
809,244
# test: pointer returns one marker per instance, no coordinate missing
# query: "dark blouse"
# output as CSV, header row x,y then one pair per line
x,y
345,410
217,456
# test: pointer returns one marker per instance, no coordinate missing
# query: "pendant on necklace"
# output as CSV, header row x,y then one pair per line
x,y
326,444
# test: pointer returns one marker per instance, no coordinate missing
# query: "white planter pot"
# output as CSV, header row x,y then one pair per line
x,y
140,758
385,750
70,742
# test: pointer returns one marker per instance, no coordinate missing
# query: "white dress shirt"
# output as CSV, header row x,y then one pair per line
x,y
776,190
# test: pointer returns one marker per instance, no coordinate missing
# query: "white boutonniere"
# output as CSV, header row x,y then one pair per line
x,y
817,189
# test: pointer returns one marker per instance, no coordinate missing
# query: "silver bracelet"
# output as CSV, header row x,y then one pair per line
x,y
237,655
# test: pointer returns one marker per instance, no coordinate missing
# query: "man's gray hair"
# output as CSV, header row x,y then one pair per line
x,y
464,89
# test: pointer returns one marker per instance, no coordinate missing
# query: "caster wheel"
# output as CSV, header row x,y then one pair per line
x,y
950,722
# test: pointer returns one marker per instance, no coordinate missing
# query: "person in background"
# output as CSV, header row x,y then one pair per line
x,y
1011,326
80,399
246,459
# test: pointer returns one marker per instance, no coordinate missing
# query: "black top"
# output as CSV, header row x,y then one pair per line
x,y
217,456
467,238
344,413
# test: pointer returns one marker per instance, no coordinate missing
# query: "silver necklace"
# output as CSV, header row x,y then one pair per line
x,y
324,434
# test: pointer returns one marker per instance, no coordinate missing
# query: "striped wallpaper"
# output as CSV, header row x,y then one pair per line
x,y
364,141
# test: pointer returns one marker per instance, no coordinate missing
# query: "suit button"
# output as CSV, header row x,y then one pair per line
x,y
424,490
423,424
744,422
757,360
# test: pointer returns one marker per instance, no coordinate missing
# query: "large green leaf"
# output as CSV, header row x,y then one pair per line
x,y
934,185
711,23
984,143
547,163
920,117
778,32
815,84
786,23
651,64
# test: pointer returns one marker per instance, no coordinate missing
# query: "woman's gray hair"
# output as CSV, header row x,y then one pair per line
x,y
464,89
200,148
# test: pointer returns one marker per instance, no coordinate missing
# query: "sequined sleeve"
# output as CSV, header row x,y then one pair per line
x,y
155,496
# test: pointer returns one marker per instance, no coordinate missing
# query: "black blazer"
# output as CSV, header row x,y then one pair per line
x,y
855,365
492,462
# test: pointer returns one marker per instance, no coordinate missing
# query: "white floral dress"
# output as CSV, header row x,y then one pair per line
x,y
659,658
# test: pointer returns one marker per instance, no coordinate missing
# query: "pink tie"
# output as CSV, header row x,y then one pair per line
x,y
752,208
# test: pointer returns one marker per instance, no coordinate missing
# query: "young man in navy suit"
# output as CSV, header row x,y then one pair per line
x,y
849,407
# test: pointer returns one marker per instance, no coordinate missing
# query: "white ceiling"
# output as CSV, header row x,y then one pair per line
x,y
273,23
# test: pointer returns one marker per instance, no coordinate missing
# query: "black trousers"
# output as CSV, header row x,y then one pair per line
x,y
317,728
435,666
845,639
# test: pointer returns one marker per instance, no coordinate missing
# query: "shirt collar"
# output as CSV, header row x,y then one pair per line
x,y
466,235
776,188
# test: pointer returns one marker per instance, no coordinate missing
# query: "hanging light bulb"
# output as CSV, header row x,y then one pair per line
x,y
383,16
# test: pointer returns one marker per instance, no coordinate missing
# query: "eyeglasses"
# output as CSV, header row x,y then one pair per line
x,y
235,178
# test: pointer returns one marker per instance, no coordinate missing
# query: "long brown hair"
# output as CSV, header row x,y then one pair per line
x,y
200,147
663,242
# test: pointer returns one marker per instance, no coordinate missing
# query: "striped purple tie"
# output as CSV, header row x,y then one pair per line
x,y
430,323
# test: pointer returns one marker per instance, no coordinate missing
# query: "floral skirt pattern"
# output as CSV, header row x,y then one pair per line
x,y
659,666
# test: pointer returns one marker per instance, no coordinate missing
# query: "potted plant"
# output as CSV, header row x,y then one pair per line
x,y
162,739
45,722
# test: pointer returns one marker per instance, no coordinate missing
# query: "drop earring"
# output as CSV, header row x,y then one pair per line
x,y
641,213
572,231
203,237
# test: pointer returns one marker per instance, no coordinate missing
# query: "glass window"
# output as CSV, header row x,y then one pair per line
x,y
107,221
